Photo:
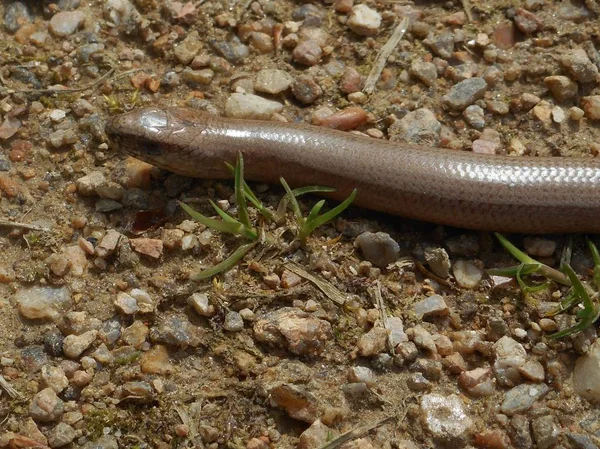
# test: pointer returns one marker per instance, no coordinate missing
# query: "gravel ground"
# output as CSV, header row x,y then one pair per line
x,y
379,332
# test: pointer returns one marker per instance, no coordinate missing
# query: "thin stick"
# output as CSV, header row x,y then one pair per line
x,y
328,289
466,4
61,91
354,433
14,224
75,89
383,314
384,54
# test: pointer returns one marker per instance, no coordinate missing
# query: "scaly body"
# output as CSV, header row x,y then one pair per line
x,y
456,188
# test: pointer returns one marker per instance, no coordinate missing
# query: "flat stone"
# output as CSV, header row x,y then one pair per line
x,y
251,106
445,417
465,93
586,375
272,81
364,21
43,302
433,305
520,398
294,329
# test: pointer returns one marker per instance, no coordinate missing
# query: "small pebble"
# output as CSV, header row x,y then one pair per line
x,y
364,21
465,93
579,66
251,106
379,249
46,406
233,322
306,90
65,23
591,107
467,275
474,115
272,81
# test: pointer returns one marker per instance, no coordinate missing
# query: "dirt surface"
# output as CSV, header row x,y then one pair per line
x,y
402,339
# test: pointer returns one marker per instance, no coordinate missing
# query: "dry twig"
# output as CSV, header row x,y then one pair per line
x,y
354,433
14,224
383,55
329,290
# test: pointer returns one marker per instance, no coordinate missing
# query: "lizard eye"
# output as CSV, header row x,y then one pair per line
x,y
151,148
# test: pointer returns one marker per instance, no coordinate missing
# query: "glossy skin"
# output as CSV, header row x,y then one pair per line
x,y
456,188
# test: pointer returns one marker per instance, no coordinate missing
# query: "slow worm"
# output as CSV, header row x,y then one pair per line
x,y
456,188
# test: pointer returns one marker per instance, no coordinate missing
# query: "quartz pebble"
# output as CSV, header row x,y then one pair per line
x,y
522,397
315,436
433,305
445,417
298,331
561,87
364,21
420,127
586,376
43,302
465,93
272,81
579,66
591,106
201,304
61,435
251,106
233,322
373,342
75,345
54,377
467,274
65,23
474,115
46,406
379,249
308,53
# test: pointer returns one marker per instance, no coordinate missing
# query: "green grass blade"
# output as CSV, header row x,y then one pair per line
x,y
292,199
594,251
224,215
569,301
251,196
322,219
514,251
581,326
578,287
240,198
543,269
596,258
312,189
218,225
227,264
523,270
314,212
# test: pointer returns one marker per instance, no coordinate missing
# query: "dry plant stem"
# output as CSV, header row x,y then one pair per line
x,y
355,433
466,4
329,290
14,224
9,388
382,313
75,89
383,55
